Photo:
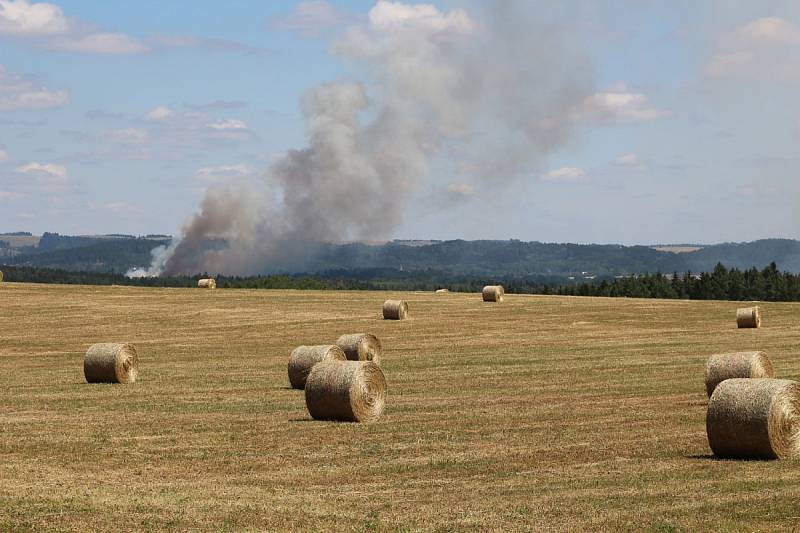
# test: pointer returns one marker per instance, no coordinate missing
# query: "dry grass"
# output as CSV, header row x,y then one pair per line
x,y
18,241
678,249
542,413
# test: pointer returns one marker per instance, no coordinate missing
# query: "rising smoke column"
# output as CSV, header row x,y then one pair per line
x,y
494,94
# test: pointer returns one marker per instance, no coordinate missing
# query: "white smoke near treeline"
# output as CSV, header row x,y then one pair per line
x,y
490,91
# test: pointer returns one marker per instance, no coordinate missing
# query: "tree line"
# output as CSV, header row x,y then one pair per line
x,y
722,283
512,259
769,284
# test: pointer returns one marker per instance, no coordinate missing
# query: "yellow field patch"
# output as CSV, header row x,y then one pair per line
x,y
535,413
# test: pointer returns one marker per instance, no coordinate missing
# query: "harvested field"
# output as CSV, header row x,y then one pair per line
x,y
544,413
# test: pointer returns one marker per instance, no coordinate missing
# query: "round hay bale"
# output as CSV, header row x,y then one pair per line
x,y
1,276
754,419
395,310
493,293
352,391
210,283
303,359
361,347
748,317
442,291
111,363
736,365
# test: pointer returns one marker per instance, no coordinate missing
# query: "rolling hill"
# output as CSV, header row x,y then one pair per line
x,y
459,257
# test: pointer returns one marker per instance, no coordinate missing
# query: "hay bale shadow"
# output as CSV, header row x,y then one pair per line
x,y
712,457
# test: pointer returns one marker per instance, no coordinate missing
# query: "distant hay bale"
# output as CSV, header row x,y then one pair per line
x,y
111,363
361,347
395,310
210,283
737,365
303,359
754,419
1,276
748,317
442,291
493,293
350,391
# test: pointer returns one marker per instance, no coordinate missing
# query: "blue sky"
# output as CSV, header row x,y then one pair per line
x,y
119,117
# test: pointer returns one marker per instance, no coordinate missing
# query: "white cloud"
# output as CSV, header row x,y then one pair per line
x,y
763,49
462,189
388,15
159,113
46,25
3,156
101,43
730,64
311,17
120,207
621,104
200,127
225,172
47,169
218,105
566,174
165,134
176,41
419,23
22,92
129,135
19,17
100,114
628,160
213,45
230,124
9,195
768,31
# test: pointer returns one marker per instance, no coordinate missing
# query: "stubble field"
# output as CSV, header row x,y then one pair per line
x,y
540,413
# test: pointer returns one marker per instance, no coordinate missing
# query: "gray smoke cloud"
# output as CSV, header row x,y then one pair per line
x,y
490,92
